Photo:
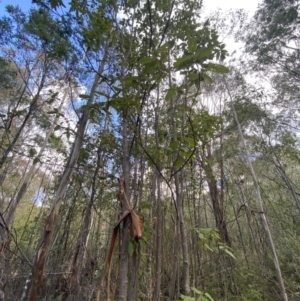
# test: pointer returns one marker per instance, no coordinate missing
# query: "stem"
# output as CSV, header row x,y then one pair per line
x,y
260,203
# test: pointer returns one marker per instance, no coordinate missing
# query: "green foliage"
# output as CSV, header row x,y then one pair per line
x,y
201,296
7,74
132,247
55,142
210,240
32,152
48,30
275,31
52,3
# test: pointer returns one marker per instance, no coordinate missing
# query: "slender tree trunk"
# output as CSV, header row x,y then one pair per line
x,y
139,198
286,179
78,260
32,108
178,179
123,276
174,271
216,199
34,286
15,201
183,235
134,259
158,232
260,204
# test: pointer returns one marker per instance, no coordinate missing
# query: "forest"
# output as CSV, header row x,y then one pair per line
x,y
142,159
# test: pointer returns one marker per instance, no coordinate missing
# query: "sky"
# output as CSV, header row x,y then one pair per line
x,y
248,5
210,5
24,4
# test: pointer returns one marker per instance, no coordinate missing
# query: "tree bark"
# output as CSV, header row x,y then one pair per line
x,y
31,109
123,276
15,201
260,203
158,229
41,255
183,236
216,199
78,261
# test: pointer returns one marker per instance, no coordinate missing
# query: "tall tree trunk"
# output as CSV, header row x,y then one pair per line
x,y
78,260
178,179
215,198
158,229
123,276
31,109
15,201
172,283
183,236
260,203
286,179
136,196
41,255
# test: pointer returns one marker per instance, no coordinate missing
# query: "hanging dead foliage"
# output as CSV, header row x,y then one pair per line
x,y
135,230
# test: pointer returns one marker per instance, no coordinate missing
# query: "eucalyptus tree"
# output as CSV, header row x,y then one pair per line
x,y
101,47
274,34
272,40
260,205
33,48
30,51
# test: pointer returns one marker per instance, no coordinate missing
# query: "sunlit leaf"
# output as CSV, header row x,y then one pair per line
x,y
217,68
208,296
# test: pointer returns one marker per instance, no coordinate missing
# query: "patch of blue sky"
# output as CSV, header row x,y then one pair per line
x,y
25,5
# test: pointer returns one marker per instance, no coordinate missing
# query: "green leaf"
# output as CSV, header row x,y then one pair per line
x,y
203,53
131,248
52,98
183,61
193,76
229,253
36,160
187,298
32,152
201,236
84,96
170,94
148,60
190,141
217,68
196,291
208,296
207,247
68,133
185,150
150,69
179,162
174,145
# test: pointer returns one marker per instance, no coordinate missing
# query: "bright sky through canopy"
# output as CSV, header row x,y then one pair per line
x,y
209,5
249,6
24,4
